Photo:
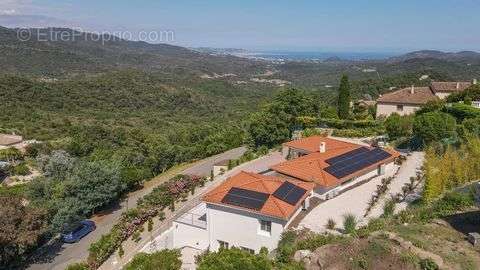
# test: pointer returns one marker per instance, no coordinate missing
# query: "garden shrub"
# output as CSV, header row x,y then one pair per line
x,y
349,224
428,264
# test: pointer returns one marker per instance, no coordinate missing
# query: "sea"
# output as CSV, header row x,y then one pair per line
x,y
316,55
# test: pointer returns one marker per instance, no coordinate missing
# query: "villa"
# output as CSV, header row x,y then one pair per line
x,y
248,211
408,100
333,165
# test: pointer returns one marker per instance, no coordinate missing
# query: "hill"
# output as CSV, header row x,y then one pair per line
x,y
46,52
432,54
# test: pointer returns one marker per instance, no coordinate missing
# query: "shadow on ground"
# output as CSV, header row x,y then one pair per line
x,y
465,222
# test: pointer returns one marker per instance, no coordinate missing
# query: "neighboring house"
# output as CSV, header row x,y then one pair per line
x,y
408,100
220,167
333,165
248,211
9,140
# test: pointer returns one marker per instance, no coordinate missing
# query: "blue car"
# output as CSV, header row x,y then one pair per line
x,y
85,227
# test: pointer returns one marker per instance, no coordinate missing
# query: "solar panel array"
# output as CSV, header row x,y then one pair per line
x,y
347,156
245,198
289,193
357,161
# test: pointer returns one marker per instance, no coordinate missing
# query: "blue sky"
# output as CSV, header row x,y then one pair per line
x,y
338,25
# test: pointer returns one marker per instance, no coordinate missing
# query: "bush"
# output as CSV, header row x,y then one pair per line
x,y
399,126
20,169
233,259
462,111
350,224
389,208
434,127
314,241
78,266
428,264
162,260
286,247
331,224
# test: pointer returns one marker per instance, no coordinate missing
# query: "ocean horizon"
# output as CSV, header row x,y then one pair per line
x,y
318,55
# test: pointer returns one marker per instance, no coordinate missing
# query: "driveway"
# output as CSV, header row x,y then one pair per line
x,y
58,256
131,248
355,201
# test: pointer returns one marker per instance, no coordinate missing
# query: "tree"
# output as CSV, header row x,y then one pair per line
x,y
233,259
94,184
267,129
434,127
399,126
57,166
162,260
344,98
21,227
472,125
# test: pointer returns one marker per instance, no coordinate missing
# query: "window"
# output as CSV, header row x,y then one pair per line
x,y
400,108
223,244
249,250
266,226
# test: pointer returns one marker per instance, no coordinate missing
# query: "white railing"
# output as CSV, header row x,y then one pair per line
x,y
193,219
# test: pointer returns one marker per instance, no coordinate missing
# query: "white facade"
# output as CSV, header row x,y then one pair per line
x,y
208,225
241,229
386,109
190,230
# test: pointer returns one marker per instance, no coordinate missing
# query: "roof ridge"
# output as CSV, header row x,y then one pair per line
x,y
278,206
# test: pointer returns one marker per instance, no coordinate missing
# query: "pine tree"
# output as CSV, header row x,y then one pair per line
x,y
343,106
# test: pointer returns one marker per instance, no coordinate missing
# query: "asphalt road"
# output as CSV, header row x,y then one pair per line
x,y
58,256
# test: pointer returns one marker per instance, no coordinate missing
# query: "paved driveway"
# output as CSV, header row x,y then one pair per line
x,y
355,201
58,256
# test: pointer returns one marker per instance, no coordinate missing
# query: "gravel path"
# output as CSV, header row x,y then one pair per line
x,y
355,201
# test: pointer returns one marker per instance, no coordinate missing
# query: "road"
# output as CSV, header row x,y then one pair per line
x,y
131,247
58,256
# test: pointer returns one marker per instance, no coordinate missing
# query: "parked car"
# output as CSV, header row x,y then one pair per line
x,y
85,227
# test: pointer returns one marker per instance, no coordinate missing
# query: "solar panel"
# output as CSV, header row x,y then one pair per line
x,y
358,162
346,156
289,193
245,198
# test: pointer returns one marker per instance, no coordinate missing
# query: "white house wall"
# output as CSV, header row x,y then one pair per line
x,y
189,236
240,228
388,109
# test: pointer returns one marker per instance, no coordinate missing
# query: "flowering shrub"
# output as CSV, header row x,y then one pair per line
x,y
148,207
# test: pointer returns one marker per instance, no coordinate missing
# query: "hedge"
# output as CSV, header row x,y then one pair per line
x,y
153,204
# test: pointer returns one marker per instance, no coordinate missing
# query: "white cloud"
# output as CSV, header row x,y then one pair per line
x,y
7,11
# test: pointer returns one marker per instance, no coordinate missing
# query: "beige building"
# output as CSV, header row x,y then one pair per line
x,y
408,100
9,140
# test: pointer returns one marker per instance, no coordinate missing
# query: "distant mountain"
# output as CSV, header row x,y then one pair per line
x,y
47,53
432,54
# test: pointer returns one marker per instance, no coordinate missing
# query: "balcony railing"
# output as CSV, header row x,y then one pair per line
x,y
199,221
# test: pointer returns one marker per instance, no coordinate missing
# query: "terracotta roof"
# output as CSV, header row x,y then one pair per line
x,y
311,167
312,144
420,96
450,87
7,139
273,207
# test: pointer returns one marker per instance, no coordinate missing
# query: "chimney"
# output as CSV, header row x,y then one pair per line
x,y
458,85
323,147
474,81
412,90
